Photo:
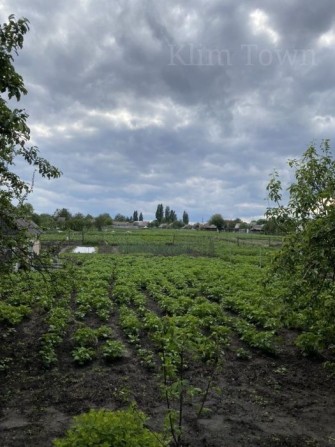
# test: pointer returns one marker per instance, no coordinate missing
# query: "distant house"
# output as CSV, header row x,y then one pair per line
x,y
257,228
237,227
61,220
32,246
208,227
34,233
135,225
121,224
141,223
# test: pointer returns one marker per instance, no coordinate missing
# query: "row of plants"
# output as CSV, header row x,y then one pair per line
x,y
90,343
186,288
58,316
175,316
188,329
93,290
19,293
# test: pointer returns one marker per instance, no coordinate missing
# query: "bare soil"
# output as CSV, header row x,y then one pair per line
x,y
263,401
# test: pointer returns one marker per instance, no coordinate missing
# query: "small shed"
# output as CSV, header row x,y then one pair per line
x,y
34,233
257,228
208,227
141,223
30,245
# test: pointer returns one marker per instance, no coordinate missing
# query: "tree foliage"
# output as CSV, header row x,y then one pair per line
x,y
121,218
103,220
159,213
172,217
167,214
217,220
306,261
14,138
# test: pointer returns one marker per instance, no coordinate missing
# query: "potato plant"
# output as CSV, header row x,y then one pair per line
x,y
112,350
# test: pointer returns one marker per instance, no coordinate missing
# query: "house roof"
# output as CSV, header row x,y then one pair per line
x,y
140,223
257,228
29,226
207,226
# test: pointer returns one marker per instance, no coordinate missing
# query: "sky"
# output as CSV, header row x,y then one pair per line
x,y
188,103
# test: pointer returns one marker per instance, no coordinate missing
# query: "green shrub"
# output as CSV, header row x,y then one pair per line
x,y
85,336
104,332
112,350
309,343
83,355
13,314
146,358
105,428
50,340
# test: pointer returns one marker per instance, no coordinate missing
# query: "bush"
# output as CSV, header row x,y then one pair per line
x,y
113,350
309,343
13,314
83,355
86,336
105,428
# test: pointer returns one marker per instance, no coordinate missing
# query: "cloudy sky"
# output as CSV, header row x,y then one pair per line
x,y
188,103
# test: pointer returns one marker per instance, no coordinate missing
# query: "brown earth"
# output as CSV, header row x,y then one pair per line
x,y
263,401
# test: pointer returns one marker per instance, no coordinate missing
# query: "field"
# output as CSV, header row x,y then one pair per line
x,y
179,323
162,242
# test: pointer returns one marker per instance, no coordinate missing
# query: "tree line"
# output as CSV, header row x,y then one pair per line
x,y
169,216
64,219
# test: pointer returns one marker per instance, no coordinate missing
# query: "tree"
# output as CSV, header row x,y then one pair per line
x,y
167,214
160,213
26,209
173,216
120,218
135,216
141,217
103,220
77,222
14,137
46,221
64,213
306,262
176,224
185,218
217,220
269,226
62,218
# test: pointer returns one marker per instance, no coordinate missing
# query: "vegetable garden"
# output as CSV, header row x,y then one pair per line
x,y
199,344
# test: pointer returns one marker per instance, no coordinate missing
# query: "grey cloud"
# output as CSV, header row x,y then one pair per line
x,y
133,102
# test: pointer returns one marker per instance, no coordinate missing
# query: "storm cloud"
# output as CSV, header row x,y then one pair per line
x,y
191,104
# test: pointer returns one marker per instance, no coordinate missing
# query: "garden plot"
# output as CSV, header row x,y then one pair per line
x,y
196,342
